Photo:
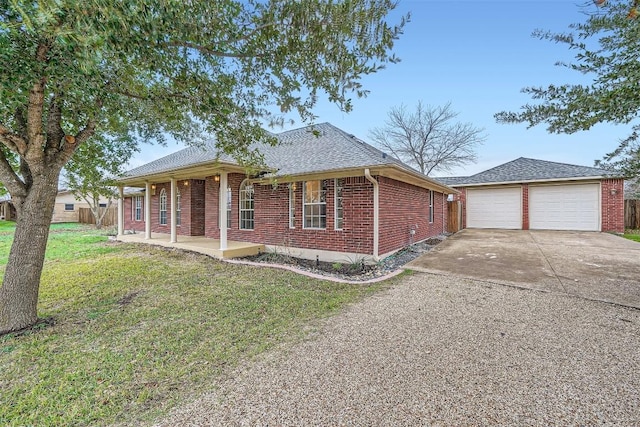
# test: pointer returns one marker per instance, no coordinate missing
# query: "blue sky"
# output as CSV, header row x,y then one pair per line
x,y
477,55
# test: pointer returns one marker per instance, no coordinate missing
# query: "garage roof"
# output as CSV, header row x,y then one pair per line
x,y
527,170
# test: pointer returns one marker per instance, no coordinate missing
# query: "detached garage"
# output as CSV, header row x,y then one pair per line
x,y
541,195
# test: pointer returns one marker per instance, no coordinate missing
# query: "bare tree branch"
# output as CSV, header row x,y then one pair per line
x,y
427,138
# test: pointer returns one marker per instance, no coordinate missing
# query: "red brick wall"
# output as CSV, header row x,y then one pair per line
x,y
525,206
404,207
612,205
272,216
129,222
191,205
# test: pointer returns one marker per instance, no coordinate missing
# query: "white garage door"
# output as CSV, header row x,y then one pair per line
x,y
565,207
494,208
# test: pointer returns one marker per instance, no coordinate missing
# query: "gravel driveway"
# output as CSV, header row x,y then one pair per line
x,y
437,350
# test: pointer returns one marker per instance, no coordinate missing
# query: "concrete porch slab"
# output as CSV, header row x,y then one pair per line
x,y
200,244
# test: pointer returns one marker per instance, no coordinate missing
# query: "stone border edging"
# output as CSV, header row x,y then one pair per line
x,y
315,275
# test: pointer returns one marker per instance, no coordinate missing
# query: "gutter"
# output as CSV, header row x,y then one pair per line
x,y
376,213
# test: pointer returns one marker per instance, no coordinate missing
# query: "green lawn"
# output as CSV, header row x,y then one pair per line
x,y
137,330
632,235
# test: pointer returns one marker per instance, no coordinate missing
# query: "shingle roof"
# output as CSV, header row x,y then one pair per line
x,y
524,169
185,157
300,151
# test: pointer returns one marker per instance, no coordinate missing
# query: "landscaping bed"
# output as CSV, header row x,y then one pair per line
x,y
355,269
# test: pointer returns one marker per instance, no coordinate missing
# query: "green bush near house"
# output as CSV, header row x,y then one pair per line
x,y
132,331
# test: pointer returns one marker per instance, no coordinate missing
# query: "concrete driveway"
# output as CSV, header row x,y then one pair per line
x,y
596,266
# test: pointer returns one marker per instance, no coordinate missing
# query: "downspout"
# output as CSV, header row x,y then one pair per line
x,y
376,213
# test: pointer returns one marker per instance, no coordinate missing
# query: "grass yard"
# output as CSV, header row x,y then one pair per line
x,y
137,330
632,235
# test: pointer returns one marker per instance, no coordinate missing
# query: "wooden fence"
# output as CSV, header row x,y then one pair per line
x,y
632,214
454,215
110,218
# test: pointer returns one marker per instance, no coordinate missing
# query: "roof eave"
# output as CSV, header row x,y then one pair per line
x,y
575,178
388,170
193,171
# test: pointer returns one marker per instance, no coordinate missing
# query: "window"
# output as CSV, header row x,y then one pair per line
x,y
102,205
339,213
68,206
315,204
228,207
137,215
163,207
430,206
178,213
246,206
292,205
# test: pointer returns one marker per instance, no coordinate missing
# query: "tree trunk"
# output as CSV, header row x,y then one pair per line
x,y
19,291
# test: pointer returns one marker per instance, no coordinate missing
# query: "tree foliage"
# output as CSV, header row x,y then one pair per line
x,y
428,137
606,47
90,174
73,69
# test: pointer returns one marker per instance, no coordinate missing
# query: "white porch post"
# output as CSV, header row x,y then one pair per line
x,y
120,211
223,210
174,202
147,210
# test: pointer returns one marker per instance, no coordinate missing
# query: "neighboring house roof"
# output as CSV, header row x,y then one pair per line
x,y
527,170
320,148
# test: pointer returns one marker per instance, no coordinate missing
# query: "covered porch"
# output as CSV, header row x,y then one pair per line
x,y
200,244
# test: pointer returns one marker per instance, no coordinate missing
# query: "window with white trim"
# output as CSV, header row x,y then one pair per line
x,y
246,206
68,206
228,207
163,207
137,214
431,206
339,212
314,201
178,210
292,205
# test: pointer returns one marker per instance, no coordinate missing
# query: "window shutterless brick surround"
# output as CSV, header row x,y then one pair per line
x,y
611,199
403,208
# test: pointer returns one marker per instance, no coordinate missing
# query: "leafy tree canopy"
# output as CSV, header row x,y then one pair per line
x,y
73,69
606,47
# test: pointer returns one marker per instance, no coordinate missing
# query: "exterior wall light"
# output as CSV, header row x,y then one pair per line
x,y
216,178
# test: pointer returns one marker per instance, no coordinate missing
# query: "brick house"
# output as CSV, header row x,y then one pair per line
x,y
325,195
530,194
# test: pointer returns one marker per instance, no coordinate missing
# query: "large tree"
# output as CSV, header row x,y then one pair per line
x,y
428,137
71,69
607,52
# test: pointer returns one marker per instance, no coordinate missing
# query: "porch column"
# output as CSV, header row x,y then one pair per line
x,y
120,211
147,210
223,210
174,202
